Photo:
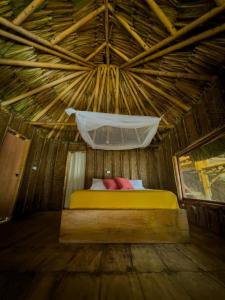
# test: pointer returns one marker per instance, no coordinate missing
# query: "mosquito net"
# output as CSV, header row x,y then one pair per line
x,y
115,132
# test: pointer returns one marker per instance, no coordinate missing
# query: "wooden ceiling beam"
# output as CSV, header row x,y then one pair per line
x,y
79,92
61,36
45,65
97,50
30,35
126,25
148,99
38,90
102,86
107,33
119,53
131,92
171,99
60,96
191,76
23,41
97,89
161,16
27,11
201,20
194,39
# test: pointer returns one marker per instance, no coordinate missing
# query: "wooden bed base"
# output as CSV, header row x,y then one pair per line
x,y
124,226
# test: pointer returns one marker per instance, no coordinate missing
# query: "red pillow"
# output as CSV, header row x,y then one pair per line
x,y
124,183
110,184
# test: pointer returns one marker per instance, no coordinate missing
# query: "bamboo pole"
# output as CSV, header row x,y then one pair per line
x,y
27,11
38,90
34,45
136,94
34,37
117,92
103,79
60,96
61,36
161,15
197,38
81,90
78,93
201,20
132,93
35,64
126,25
97,50
118,52
147,98
125,100
107,32
174,74
171,99
108,96
97,89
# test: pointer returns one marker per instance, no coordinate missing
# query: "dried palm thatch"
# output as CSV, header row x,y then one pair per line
x,y
131,57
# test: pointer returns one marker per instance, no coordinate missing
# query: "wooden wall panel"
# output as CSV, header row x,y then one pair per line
x,y
133,164
205,116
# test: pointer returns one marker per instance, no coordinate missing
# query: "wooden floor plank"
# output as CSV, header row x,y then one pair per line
x,y
78,287
116,258
120,287
174,259
199,285
15,285
34,266
85,259
146,259
203,259
160,286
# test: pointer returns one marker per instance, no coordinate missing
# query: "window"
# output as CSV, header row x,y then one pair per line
x,y
201,169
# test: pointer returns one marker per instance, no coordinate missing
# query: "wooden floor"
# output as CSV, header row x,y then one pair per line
x,y
34,266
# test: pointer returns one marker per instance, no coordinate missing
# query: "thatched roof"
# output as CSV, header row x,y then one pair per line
x,y
132,57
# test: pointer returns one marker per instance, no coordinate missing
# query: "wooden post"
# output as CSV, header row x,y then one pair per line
x,y
77,25
45,65
38,90
126,25
201,20
40,40
161,15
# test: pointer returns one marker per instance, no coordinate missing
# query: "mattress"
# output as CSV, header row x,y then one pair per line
x,y
138,199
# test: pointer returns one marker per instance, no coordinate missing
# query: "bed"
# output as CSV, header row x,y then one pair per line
x,y
137,216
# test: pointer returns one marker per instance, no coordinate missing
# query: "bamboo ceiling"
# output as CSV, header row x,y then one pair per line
x,y
146,57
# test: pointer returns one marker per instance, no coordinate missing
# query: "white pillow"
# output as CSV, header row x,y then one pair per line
x,y
137,184
97,184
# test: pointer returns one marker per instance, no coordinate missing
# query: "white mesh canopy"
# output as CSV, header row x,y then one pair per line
x,y
115,132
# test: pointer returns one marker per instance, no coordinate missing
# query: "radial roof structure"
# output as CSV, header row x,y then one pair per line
x,y
146,57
